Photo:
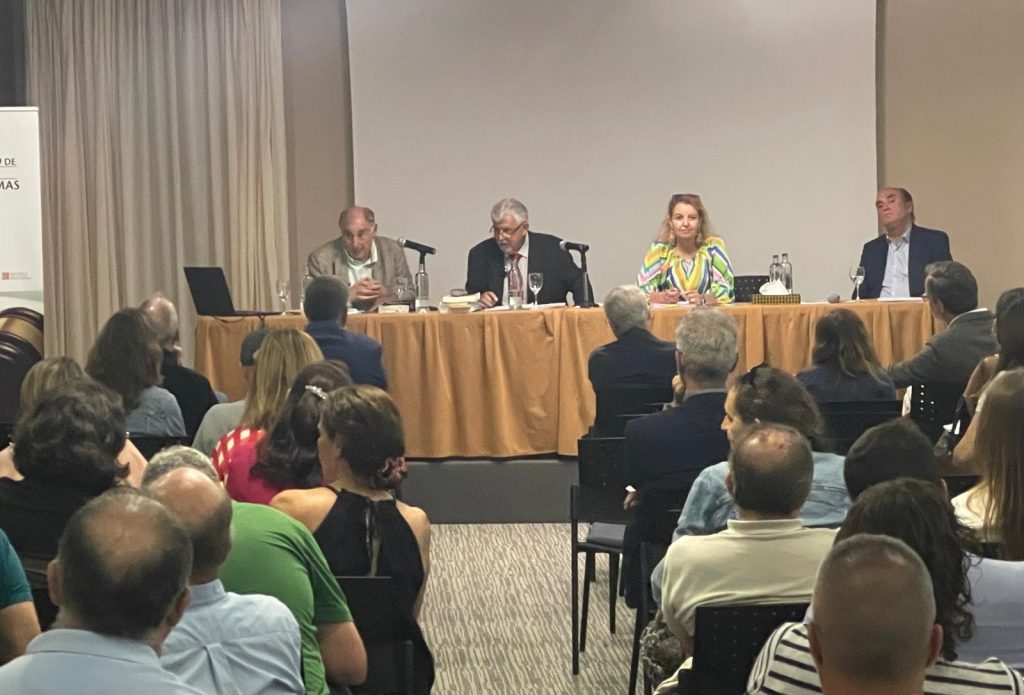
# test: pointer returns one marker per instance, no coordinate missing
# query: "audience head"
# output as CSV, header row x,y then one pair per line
x,y
894,449
840,340
204,509
680,206
510,223
767,394
288,456
326,299
164,317
45,377
250,346
358,228
895,208
282,355
862,640
919,514
122,567
1009,329
361,426
1000,453
175,457
626,309
126,356
770,471
706,347
71,438
951,288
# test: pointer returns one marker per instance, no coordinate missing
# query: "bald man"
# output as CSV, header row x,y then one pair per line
x,y
225,642
863,641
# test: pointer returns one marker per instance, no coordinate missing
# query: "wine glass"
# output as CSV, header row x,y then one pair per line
x,y
535,282
403,291
856,277
284,292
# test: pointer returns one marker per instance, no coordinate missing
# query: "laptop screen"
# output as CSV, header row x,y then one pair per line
x,y
209,290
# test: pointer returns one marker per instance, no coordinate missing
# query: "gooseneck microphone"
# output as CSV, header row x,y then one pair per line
x,y
416,246
573,246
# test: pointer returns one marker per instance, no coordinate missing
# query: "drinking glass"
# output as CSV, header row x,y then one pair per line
x,y
284,292
856,277
403,291
535,282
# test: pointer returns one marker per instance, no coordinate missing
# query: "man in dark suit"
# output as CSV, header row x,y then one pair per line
x,y
635,358
491,261
326,306
894,263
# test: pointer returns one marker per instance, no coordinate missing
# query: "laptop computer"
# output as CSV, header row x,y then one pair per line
x,y
211,295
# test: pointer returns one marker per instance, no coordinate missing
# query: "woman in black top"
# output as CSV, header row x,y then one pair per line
x,y
845,367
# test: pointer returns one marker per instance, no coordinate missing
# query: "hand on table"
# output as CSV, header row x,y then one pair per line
x,y
669,296
696,298
367,290
488,299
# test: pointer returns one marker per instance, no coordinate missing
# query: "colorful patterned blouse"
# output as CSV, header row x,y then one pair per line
x,y
710,270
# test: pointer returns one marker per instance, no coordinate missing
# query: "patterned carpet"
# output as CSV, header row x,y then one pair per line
x,y
496,615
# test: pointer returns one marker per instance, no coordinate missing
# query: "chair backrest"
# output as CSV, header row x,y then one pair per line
x,y
727,640
650,555
746,286
657,511
601,462
149,445
934,405
376,606
959,484
35,572
846,421
626,401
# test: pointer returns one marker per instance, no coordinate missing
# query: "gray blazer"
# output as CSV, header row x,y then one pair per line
x,y
949,357
331,259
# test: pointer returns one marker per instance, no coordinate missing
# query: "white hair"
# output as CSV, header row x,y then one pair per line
x,y
706,343
626,308
509,206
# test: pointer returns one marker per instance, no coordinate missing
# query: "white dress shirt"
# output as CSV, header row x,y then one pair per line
x,y
896,282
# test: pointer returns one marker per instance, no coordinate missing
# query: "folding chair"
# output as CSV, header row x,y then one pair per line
x,y
934,405
846,421
611,403
746,286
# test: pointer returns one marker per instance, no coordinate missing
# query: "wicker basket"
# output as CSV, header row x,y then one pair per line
x,y
775,299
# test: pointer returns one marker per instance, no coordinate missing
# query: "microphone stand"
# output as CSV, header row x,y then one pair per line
x,y
586,301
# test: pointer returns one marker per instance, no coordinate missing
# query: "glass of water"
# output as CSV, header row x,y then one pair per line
x,y
284,293
856,277
535,281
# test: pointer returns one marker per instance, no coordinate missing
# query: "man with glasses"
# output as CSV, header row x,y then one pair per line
x,y
514,249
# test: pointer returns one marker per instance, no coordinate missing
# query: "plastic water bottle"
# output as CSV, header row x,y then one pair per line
x,y
775,269
516,288
422,303
787,273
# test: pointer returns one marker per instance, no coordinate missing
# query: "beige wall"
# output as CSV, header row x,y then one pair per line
x,y
951,126
318,123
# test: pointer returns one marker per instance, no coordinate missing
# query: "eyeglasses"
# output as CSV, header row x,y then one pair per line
x,y
498,231
756,375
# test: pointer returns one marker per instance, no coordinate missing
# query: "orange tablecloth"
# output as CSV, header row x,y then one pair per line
x,y
497,384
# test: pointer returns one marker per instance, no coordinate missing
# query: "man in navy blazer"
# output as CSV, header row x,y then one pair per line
x,y
636,358
513,243
894,263
326,306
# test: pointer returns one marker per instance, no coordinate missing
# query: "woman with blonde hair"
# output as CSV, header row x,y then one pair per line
x,y
686,262
282,355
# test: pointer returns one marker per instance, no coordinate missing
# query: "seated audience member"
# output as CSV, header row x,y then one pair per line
x,y
1009,327
635,358
370,265
287,457
282,355
126,358
686,262
359,525
845,365
249,644
191,389
275,555
224,417
492,260
894,449
326,307
120,580
861,640
993,506
67,448
45,377
766,555
894,264
973,598
18,621
949,357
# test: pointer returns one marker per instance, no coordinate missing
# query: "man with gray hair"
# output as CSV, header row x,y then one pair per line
x,y
513,250
635,359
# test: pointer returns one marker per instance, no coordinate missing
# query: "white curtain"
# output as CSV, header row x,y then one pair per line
x,y
162,137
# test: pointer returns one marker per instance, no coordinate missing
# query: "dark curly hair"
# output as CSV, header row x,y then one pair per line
x,y
126,356
919,514
366,424
71,438
288,455
767,394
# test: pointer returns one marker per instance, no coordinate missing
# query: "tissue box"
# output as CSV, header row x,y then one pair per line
x,y
775,299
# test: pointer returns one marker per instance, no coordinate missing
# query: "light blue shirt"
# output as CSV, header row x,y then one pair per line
x,y
158,414
232,644
709,506
896,282
62,661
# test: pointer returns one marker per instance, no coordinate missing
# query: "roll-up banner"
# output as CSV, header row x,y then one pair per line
x,y
21,222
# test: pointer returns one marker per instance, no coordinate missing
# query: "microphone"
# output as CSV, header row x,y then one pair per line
x,y
416,246
573,246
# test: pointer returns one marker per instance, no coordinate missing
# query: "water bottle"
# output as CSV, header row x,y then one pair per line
x,y
775,269
516,288
422,303
787,273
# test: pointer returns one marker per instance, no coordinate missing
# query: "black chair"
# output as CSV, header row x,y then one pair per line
x,y
934,405
846,421
611,403
35,572
376,606
959,484
149,445
746,286
597,500
650,555
727,640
